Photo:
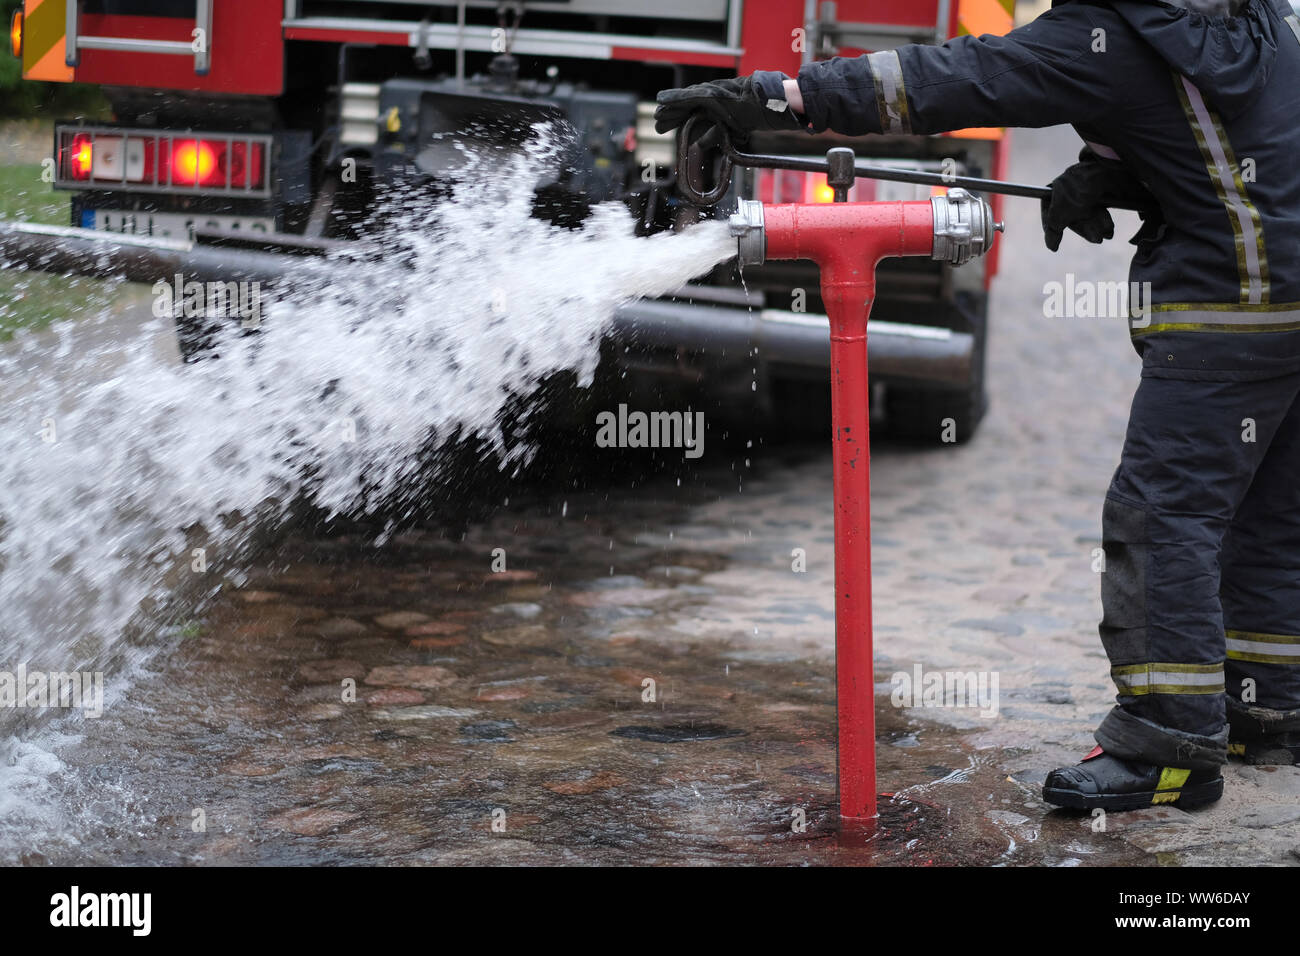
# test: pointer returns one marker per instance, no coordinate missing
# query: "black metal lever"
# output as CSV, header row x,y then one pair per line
x,y
693,157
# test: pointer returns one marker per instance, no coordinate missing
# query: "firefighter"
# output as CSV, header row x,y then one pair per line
x,y
1189,106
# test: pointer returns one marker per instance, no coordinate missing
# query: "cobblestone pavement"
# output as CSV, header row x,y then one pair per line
x,y
506,716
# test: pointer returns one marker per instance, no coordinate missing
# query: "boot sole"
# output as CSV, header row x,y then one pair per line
x,y
1270,759
1264,757
1186,798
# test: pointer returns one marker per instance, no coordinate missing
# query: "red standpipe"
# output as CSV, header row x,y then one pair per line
x,y
847,240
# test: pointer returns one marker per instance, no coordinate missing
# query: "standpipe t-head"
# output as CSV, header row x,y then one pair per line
x,y
963,229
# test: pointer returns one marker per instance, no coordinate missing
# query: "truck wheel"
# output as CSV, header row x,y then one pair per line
x,y
940,415
935,416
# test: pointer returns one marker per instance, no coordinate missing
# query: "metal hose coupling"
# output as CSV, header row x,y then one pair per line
x,y
963,227
746,224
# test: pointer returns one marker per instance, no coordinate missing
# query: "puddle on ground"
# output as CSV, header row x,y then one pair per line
x,y
530,715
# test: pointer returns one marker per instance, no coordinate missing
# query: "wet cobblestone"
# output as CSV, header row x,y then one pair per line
x,y
649,680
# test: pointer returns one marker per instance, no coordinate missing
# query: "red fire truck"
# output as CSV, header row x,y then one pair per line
x,y
236,118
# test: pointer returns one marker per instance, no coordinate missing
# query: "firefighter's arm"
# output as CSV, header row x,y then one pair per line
x,y
1041,74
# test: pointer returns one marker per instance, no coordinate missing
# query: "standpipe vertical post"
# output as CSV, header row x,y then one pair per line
x,y
847,241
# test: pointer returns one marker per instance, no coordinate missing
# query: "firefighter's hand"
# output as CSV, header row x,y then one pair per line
x,y
1081,194
741,105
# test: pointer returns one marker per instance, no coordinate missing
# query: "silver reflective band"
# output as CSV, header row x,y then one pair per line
x,y
1136,680
1164,319
891,97
1168,677
1263,648
1221,164
1105,152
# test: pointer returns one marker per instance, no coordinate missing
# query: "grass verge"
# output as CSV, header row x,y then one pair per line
x,y
32,300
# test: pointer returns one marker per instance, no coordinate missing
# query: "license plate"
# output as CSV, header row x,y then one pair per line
x,y
172,225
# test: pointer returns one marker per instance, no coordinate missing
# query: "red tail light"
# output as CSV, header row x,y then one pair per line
x,y
152,161
214,162
194,163
244,162
81,156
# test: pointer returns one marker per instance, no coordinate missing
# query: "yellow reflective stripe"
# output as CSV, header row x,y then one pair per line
x,y
1226,307
1168,668
1188,327
1183,690
1263,648
1137,680
1253,658
1288,639
1171,779
1221,164
891,97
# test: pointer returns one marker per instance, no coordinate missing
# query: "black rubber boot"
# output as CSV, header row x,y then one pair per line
x,y
1267,750
1264,737
1101,780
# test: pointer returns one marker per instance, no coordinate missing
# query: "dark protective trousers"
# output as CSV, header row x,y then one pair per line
x,y
1201,587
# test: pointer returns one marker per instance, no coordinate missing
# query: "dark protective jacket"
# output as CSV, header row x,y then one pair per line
x,y
1202,108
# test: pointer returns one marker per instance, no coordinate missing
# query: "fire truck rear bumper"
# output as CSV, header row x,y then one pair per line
x,y
937,357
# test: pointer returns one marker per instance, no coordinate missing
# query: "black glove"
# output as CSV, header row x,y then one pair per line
x,y
741,105
1081,194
